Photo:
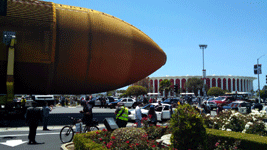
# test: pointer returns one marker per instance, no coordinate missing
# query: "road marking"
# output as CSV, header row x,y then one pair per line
x,y
28,134
13,143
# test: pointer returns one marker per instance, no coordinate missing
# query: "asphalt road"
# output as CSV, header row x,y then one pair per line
x,y
15,136
59,116
18,139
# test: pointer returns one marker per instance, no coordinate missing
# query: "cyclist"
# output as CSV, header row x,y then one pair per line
x,y
87,114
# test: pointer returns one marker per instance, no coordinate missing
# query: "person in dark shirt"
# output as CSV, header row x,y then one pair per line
x,y
33,116
87,114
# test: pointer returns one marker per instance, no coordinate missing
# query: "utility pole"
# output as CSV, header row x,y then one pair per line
x,y
259,72
204,71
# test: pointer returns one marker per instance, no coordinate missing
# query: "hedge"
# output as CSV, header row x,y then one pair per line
x,y
83,142
248,141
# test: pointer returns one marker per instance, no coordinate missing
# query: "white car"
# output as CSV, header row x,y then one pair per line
x,y
163,112
129,102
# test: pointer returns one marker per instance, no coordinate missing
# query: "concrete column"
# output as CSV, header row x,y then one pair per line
x,y
181,83
240,85
210,82
153,86
243,85
236,84
222,83
216,80
227,83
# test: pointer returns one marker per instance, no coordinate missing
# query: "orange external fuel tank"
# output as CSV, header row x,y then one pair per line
x,y
64,49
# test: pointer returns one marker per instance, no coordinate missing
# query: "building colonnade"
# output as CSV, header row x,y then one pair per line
x,y
229,83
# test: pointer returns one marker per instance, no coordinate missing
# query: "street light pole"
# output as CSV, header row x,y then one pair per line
x,y
204,71
259,77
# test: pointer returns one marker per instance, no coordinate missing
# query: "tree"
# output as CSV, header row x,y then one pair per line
x,y
263,94
215,91
111,93
136,90
144,83
165,85
194,84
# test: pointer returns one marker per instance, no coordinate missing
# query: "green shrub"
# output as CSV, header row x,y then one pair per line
x,y
248,141
188,131
83,142
156,132
128,137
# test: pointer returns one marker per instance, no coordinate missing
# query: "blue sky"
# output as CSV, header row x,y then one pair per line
x,y
234,30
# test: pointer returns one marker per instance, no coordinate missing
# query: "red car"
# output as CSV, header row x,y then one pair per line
x,y
224,100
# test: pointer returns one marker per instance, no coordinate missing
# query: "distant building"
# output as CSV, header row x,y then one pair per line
x,y
229,83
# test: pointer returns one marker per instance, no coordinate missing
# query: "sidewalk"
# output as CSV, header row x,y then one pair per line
x,y
40,128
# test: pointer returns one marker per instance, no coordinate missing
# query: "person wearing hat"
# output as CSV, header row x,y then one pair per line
x,y
122,115
33,116
87,114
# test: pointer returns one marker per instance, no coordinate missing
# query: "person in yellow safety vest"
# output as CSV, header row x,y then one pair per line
x,y
178,103
122,115
23,101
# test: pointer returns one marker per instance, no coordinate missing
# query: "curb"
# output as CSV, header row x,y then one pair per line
x,y
64,146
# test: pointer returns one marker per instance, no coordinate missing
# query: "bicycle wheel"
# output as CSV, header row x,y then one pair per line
x,y
92,128
66,134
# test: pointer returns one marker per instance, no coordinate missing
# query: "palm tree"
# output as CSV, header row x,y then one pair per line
x,y
165,85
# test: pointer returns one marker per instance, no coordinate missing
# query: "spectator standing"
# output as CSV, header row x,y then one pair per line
x,y
33,116
145,100
104,102
219,109
121,115
46,110
150,100
87,114
138,115
23,102
152,115
171,106
63,101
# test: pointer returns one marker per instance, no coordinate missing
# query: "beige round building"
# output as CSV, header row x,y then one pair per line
x,y
227,82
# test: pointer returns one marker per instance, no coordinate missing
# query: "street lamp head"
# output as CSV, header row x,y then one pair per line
x,y
203,46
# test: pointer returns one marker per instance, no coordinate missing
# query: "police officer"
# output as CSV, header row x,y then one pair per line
x,y
33,116
122,115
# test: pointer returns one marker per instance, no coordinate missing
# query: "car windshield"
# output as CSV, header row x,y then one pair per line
x,y
210,99
219,98
166,101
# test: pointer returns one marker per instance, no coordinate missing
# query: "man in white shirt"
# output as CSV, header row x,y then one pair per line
x,y
138,115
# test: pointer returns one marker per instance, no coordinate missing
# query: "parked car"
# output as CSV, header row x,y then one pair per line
x,y
223,100
163,112
129,102
235,104
171,100
114,104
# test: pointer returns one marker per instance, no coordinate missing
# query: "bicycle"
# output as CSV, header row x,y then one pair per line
x,y
66,134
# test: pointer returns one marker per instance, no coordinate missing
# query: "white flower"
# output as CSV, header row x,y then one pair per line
x,y
244,131
249,123
228,130
215,122
246,126
254,119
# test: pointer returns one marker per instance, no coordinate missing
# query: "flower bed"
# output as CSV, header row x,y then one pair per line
x,y
145,137
103,139
234,121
